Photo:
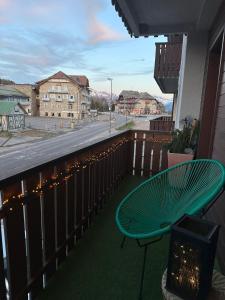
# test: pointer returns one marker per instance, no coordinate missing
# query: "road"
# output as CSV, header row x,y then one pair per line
x,y
24,157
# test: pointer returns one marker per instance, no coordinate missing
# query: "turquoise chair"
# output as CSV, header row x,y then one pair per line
x,y
149,210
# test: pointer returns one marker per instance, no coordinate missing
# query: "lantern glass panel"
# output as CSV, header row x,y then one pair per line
x,y
191,258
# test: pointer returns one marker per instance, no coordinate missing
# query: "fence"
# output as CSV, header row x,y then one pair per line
x,y
164,124
168,57
45,210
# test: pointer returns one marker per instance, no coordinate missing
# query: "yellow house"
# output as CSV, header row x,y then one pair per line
x,y
65,96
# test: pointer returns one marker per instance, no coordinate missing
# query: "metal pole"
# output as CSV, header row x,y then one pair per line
x,y
110,107
143,273
78,107
110,116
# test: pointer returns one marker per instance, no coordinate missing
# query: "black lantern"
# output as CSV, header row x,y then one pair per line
x,y
191,257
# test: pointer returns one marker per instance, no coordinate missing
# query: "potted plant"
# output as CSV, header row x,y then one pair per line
x,y
184,142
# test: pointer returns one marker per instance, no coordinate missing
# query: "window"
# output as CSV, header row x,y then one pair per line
x,y
45,97
52,96
52,89
59,98
70,106
71,98
64,89
65,96
59,114
53,114
46,114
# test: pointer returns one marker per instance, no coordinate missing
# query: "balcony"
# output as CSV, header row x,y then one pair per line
x,y
50,212
164,124
58,90
167,66
98,269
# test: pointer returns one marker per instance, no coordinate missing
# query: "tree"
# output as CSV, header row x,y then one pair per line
x,y
6,81
113,107
99,103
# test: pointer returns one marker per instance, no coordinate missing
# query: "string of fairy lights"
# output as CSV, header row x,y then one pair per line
x,y
185,271
62,176
77,165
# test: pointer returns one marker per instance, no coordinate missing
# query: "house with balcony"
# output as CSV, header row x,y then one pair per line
x,y
65,96
60,214
201,78
135,103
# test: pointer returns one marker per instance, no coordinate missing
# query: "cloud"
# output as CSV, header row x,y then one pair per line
x,y
103,75
4,3
97,31
42,9
39,53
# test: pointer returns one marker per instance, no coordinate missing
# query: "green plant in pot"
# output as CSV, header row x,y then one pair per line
x,y
184,142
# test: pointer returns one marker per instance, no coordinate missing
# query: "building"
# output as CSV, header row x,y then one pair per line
x,y
10,93
12,115
65,96
135,103
31,91
56,200
167,67
201,85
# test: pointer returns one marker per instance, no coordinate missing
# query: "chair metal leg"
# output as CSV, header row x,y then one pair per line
x,y
143,272
123,242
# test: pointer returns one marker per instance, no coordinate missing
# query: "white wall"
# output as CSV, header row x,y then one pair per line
x,y
191,76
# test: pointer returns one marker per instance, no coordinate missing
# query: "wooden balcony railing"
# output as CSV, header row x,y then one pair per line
x,y
167,60
46,209
162,124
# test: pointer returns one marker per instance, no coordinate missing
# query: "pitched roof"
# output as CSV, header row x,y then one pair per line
x,y
81,80
6,90
7,107
136,95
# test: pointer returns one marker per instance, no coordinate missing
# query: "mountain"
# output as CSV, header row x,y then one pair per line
x,y
167,103
100,95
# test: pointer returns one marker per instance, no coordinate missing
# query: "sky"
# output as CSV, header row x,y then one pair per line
x,y
40,37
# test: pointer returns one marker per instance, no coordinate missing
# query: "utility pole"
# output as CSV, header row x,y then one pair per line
x,y
110,106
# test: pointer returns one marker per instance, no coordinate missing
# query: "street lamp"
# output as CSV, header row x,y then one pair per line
x,y
110,106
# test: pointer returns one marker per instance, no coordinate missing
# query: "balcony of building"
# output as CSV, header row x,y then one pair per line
x,y
58,237
164,124
167,66
97,268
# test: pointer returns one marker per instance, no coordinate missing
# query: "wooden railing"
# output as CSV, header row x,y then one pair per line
x,y
46,209
167,59
162,124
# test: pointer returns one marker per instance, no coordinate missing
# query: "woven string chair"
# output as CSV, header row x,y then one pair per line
x,y
149,210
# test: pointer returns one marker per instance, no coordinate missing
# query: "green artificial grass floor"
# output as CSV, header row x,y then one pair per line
x,y
97,268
